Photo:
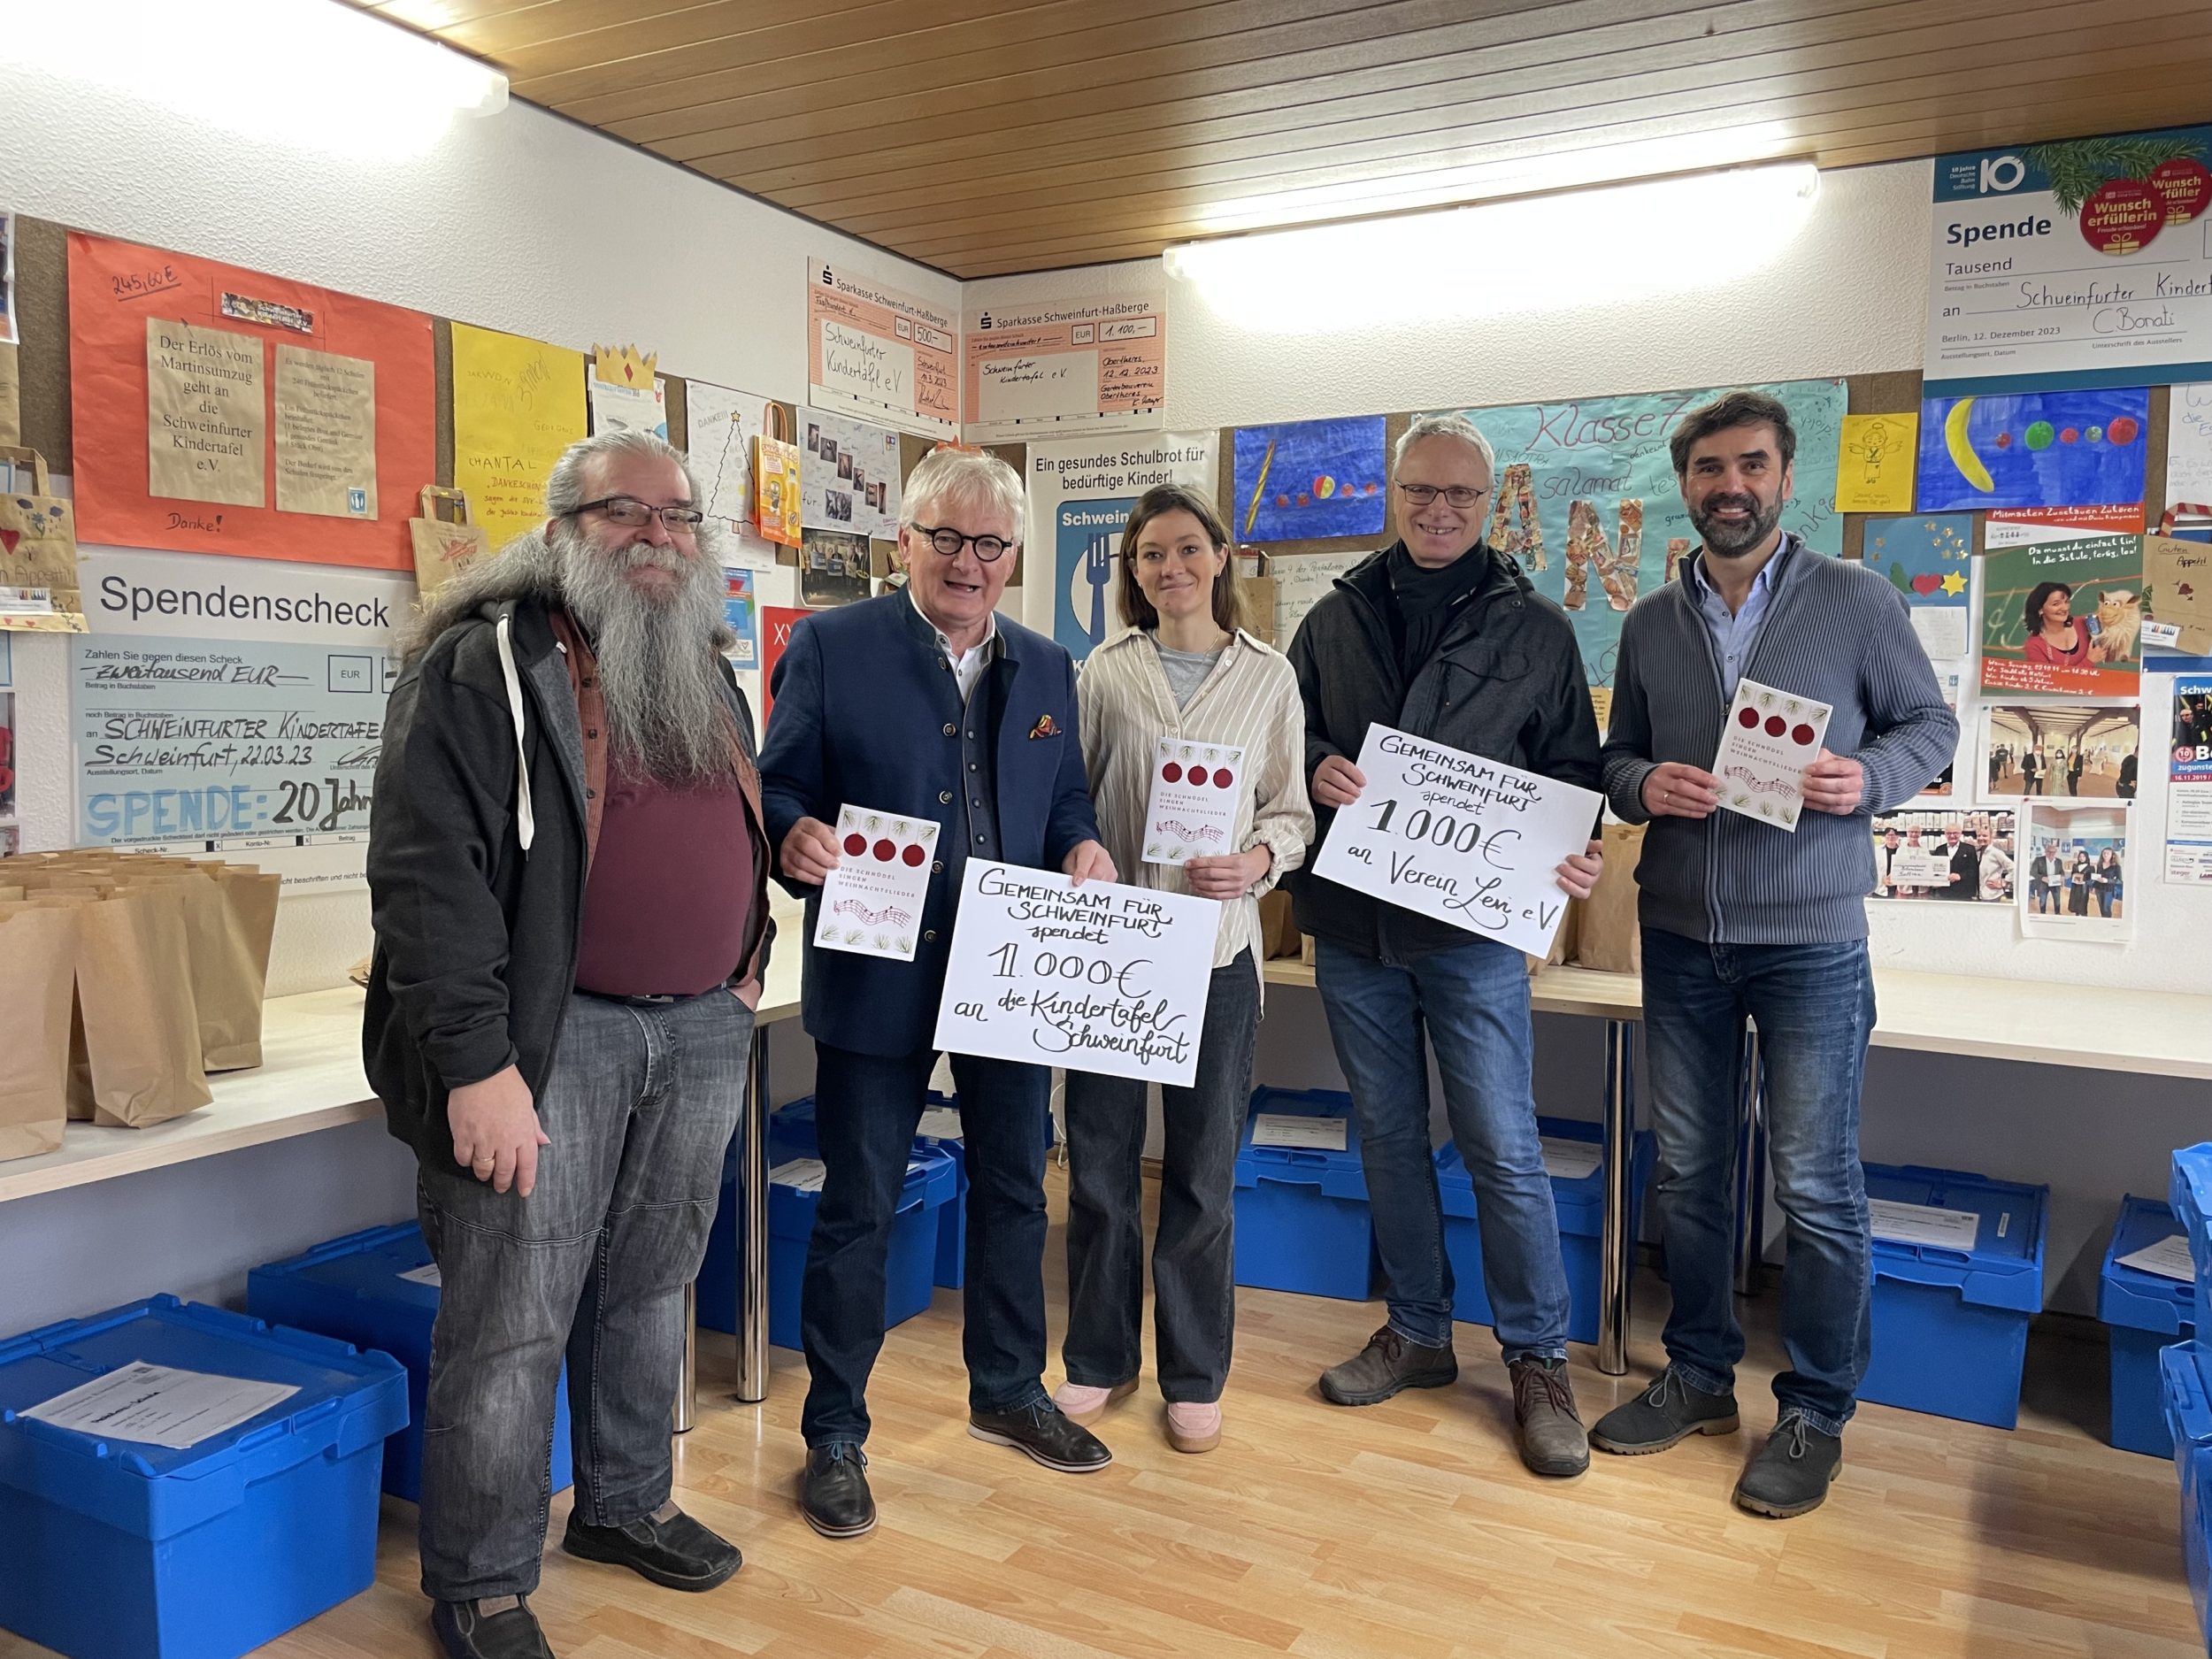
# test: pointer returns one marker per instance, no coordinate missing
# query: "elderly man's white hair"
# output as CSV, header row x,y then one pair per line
x,y
964,477
1455,426
565,486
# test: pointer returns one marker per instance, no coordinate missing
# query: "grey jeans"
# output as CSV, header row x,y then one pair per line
x,y
640,1102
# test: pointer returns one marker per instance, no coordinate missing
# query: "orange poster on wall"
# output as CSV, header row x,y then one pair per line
x,y
221,410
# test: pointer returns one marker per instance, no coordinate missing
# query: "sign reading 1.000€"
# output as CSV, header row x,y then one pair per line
x,y
2079,263
1468,841
1097,977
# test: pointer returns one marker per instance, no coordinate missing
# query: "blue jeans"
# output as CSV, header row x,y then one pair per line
x,y
1472,1001
639,1103
1193,1256
1814,1007
866,1109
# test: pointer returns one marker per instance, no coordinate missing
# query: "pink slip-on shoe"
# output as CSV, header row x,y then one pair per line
x,y
1084,1406
1194,1427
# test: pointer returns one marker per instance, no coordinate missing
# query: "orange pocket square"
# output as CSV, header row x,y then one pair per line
x,y
1046,726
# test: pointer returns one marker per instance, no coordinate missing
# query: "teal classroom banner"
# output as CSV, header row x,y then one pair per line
x,y
1586,497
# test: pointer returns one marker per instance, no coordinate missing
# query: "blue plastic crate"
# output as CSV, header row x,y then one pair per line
x,y
1951,1325
2190,1192
930,1182
2144,1313
355,1288
1302,1218
2188,1411
1580,1203
125,1550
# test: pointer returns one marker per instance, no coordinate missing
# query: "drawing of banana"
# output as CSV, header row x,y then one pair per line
x,y
1962,456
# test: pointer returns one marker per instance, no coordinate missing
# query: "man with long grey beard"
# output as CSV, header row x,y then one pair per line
x,y
568,875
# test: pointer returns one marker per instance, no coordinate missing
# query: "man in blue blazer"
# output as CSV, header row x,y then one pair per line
x,y
925,703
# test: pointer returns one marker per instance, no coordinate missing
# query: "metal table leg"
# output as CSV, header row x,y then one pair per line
x,y
688,1384
752,1255
1751,1166
1616,1259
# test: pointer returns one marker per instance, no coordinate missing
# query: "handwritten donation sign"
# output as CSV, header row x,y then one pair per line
x,y
1192,812
1769,739
872,904
1471,841
1099,977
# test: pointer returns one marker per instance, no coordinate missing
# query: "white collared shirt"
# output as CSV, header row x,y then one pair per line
x,y
968,665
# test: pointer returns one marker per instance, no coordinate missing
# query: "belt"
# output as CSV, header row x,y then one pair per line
x,y
632,1002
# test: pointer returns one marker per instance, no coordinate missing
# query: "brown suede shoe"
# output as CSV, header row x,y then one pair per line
x,y
1385,1365
1545,1421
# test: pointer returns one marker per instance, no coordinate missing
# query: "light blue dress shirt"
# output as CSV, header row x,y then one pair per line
x,y
1734,634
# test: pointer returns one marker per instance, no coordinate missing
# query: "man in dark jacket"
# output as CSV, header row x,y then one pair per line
x,y
1440,637
924,702
567,871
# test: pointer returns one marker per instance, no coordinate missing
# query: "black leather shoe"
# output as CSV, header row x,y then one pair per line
x,y
1047,1434
465,1633
678,1553
834,1493
1792,1471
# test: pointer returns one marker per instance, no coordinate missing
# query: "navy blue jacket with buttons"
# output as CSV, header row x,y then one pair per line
x,y
1505,681
866,711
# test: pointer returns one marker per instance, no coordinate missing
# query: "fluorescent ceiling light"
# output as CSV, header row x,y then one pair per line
x,y
309,73
1598,247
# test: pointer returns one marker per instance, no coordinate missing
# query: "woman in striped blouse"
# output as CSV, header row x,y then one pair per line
x,y
1180,669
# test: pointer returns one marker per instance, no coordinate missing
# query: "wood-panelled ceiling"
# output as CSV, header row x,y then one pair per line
x,y
986,136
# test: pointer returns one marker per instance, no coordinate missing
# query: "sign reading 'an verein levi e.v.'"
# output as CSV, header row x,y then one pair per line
x,y
1471,841
1096,978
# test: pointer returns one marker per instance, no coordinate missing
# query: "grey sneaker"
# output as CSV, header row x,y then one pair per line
x,y
1665,1414
1792,1471
1386,1365
1545,1421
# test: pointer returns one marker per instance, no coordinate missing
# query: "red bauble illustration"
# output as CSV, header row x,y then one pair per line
x,y
1747,718
1777,726
855,843
2122,216
886,851
1221,780
914,854
1198,777
1802,735
1171,773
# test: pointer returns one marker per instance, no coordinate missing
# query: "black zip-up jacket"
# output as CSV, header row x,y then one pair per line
x,y
477,921
1505,682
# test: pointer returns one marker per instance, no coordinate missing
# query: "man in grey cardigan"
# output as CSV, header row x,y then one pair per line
x,y
1742,917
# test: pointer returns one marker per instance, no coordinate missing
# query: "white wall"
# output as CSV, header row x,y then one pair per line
x,y
522,222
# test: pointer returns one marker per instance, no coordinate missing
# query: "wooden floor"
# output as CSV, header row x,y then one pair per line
x,y
1406,1530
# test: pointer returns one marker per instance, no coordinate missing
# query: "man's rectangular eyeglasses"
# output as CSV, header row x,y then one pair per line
x,y
948,542
632,513
1458,494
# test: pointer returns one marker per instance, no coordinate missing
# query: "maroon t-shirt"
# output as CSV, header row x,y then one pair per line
x,y
667,901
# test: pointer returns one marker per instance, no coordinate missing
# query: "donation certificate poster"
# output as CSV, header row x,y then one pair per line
x,y
879,353
2082,263
1471,841
1099,978
1051,367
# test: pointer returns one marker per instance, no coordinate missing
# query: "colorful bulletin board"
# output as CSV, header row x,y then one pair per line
x,y
283,421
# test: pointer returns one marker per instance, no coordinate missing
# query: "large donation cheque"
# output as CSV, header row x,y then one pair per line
x,y
1471,841
1096,978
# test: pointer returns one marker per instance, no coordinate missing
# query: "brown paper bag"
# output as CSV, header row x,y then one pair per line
x,y
11,395
230,1031
141,1037
1278,931
225,980
1563,942
38,952
38,549
445,541
1608,938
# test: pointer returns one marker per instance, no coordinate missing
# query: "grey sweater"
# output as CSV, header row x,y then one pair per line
x,y
1834,631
